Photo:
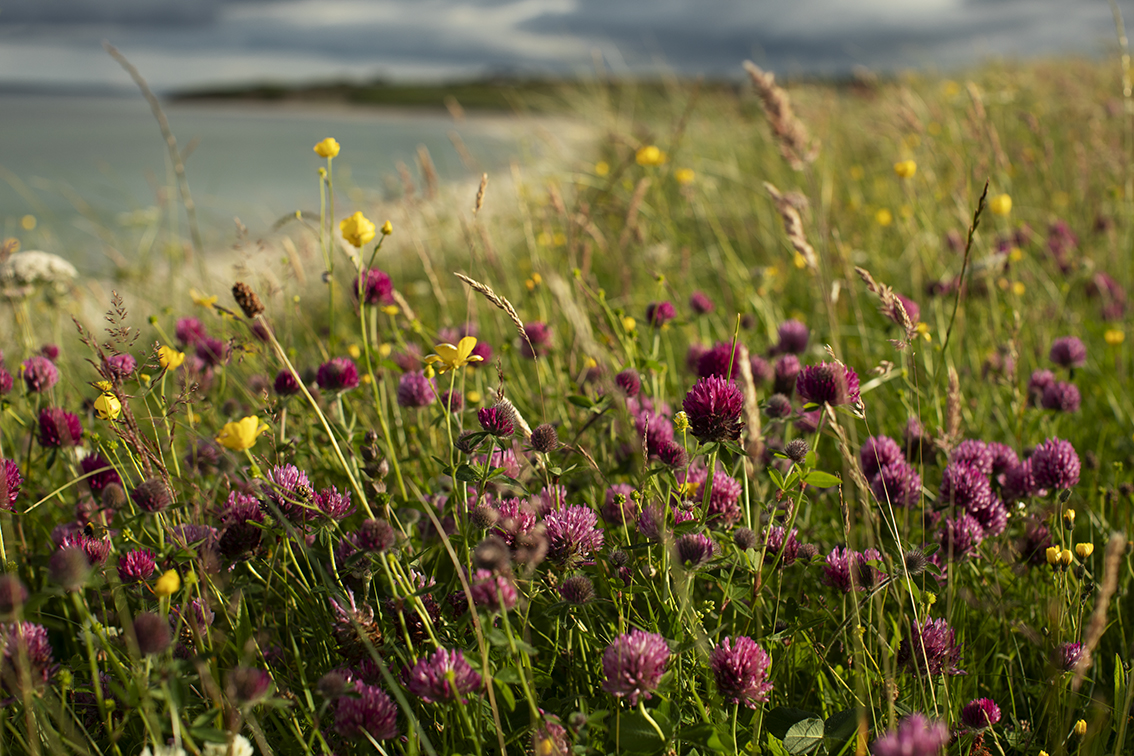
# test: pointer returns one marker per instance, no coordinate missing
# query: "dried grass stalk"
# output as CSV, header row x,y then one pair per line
x,y
891,306
636,200
755,443
952,413
849,457
480,193
403,305
501,303
796,145
1112,561
789,205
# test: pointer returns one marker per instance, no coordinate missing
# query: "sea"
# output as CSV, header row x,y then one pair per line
x,y
89,177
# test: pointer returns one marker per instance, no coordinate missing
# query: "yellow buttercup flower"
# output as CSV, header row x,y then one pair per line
x,y
168,584
650,155
602,168
451,357
905,168
387,228
473,397
170,358
103,386
1084,550
242,434
328,148
1114,337
1081,727
883,217
681,422
1000,204
629,323
107,406
202,299
357,230
684,175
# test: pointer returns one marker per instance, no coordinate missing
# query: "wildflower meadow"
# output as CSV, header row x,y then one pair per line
x,y
780,421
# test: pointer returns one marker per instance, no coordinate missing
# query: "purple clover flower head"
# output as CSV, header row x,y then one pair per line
x,y
965,487
58,428
369,713
26,654
550,737
151,495
136,566
721,360
50,351
778,407
483,350
619,505
695,550
629,381
105,475
95,549
333,503
1019,482
897,483
248,684
496,420
13,593
980,713
376,535
573,536
338,374
931,649
5,380
786,375
212,352
452,401
153,633
577,590
828,382
713,406
634,664
1111,293
444,676
960,537
285,383
700,304
1055,464
673,454
289,489
1038,382
415,390
660,313
915,735
911,307
493,591
740,668
774,540
844,566
1068,352
1003,458
539,335
1032,546
994,519
121,365
693,356
40,374
877,452
974,453
241,508
409,360
793,337
10,482
762,372
655,428
1061,397
1067,656
376,289
189,331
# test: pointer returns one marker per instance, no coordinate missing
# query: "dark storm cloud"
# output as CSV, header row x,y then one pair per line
x,y
191,42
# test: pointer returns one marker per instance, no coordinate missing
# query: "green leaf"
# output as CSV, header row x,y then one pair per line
x,y
636,735
781,719
507,694
821,479
778,479
466,474
804,737
581,401
840,727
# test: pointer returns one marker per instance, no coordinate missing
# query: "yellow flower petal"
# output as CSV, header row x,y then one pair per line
x,y
357,229
168,584
242,434
328,148
170,358
107,406
199,298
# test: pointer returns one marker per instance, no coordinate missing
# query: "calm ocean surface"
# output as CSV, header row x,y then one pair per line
x,y
93,168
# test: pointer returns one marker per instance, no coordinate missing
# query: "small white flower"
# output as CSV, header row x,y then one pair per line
x,y
239,747
21,272
162,750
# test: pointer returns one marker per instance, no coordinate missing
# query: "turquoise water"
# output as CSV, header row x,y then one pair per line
x,y
93,170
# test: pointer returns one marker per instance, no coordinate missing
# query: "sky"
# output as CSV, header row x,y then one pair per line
x,y
186,44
